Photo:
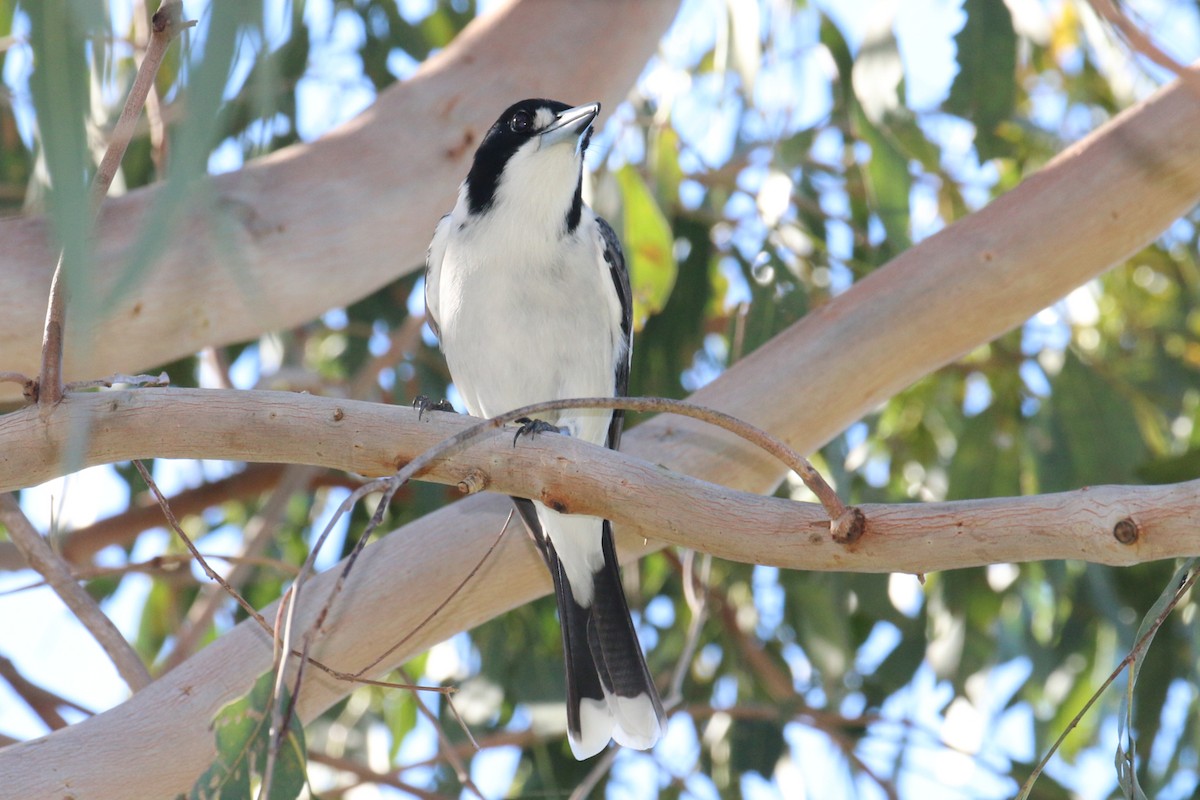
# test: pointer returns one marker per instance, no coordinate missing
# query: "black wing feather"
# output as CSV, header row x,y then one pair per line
x,y
620,276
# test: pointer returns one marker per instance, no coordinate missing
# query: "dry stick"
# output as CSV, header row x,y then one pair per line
x,y
166,25
592,779
40,700
162,566
366,774
1125,662
241,601
446,746
39,555
214,576
159,380
450,596
259,531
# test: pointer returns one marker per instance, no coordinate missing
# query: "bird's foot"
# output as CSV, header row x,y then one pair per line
x,y
532,427
422,404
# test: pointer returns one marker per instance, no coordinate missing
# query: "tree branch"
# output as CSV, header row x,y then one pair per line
x,y
1110,525
75,597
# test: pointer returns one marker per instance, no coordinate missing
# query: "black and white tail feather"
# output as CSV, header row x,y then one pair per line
x,y
529,294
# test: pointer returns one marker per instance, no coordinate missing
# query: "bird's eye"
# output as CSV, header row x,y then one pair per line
x,y
521,122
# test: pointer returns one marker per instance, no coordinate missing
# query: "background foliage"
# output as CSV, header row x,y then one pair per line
x,y
772,154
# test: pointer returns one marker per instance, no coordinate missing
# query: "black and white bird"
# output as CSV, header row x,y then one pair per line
x,y
529,295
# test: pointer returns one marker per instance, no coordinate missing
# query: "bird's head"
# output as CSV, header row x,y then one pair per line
x,y
530,162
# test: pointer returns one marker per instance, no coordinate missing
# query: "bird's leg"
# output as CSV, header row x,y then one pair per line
x,y
422,403
532,427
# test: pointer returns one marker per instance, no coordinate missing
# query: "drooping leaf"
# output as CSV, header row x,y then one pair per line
x,y
648,245
243,734
985,89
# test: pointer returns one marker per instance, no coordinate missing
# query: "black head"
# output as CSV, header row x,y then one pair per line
x,y
523,137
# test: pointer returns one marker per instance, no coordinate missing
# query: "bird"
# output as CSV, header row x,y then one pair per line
x,y
527,290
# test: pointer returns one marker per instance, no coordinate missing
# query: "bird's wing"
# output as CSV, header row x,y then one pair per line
x,y
615,259
433,271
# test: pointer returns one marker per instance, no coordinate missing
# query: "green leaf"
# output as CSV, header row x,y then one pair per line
x,y
243,733
985,89
60,88
886,179
755,746
1171,469
1126,768
1095,431
649,246
184,195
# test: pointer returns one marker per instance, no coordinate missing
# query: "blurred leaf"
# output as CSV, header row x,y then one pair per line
x,y
755,746
191,146
664,165
1094,429
243,734
887,182
985,89
648,244
1171,469
1127,778
60,88
987,462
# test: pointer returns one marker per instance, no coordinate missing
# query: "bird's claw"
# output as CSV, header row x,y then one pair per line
x,y
532,427
422,403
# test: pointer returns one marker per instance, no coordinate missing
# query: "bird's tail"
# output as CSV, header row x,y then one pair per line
x,y
610,694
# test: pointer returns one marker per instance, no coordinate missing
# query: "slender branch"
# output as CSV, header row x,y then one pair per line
x,y
253,613
1126,662
44,702
1107,525
368,775
839,515
78,546
257,535
44,560
166,25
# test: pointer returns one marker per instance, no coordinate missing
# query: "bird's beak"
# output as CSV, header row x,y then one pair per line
x,y
569,125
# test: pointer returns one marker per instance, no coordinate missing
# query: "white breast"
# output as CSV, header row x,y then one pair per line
x,y
528,318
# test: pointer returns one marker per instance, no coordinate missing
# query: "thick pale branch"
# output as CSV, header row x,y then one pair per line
x,y
364,198
643,499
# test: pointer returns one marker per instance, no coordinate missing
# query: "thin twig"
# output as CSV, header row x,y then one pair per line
x,y
450,596
209,571
1129,658
168,565
695,593
258,533
249,609
365,773
166,25
446,746
43,559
